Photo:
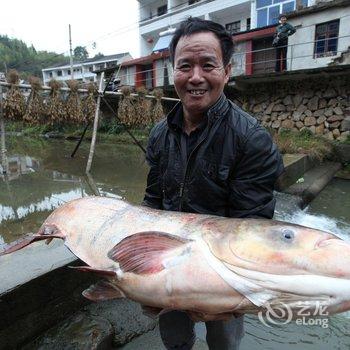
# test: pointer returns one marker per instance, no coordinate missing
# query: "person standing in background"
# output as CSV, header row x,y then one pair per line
x,y
280,41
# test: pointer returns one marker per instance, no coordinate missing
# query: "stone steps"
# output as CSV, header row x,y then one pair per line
x,y
313,182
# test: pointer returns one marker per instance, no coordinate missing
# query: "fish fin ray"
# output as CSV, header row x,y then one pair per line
x,y
103,290
141,252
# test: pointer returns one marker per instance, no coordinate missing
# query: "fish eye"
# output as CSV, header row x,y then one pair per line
x,y
287,235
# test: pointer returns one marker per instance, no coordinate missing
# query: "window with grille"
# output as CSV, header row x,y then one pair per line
x,y
267,11
162,10
248,23
233,27
326,39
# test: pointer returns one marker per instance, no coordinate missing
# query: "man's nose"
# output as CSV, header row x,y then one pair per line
x,y
197,75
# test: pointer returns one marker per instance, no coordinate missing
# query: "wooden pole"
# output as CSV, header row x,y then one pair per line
x,y
4,161
80,140
71,54
94,132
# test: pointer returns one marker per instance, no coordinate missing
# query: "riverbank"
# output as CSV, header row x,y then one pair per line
x,y
109,131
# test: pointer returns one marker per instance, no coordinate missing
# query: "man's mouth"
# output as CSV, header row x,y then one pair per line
x,y
197,92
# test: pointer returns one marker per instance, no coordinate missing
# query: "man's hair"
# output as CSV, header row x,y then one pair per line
x,y
196,25
282,15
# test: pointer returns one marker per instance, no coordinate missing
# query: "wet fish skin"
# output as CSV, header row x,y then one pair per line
x,y
207,265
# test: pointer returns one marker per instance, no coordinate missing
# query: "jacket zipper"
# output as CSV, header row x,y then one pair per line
x,y
182,185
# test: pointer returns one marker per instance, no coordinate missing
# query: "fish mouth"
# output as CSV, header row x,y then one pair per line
x,y
326,241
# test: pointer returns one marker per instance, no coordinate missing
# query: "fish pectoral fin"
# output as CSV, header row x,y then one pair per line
x,y
105,273
103,290
20,243
141,252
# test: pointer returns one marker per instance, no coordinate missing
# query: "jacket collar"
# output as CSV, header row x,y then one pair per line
x,y
217,110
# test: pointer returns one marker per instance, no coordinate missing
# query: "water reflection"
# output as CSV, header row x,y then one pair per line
x,y
45,176
19,165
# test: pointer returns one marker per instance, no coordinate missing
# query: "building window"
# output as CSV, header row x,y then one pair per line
x,y
59,73
248,24
268,10
234,27
162,10
91,69
326,39
190,2
50,74
68,72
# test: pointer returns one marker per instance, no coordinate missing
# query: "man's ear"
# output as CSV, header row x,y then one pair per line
x,y
228,70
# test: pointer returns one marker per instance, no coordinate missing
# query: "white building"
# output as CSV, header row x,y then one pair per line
x,y
322,34
84,71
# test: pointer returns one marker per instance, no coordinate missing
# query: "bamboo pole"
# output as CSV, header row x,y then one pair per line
x,y
110,93
4,161
94,132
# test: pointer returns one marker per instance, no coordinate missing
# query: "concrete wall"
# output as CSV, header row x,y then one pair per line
x,y
239,59
301,50
159,72
215,10
127,75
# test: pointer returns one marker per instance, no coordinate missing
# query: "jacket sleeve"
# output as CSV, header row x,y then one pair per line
x,y
153,192
253,181
291,30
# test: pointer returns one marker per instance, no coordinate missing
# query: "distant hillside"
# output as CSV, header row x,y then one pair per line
x,y
26,60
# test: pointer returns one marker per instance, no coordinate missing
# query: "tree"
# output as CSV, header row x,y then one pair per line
x,y
80,53
99,55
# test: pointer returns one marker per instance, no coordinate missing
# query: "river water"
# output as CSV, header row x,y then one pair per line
x,y
43,176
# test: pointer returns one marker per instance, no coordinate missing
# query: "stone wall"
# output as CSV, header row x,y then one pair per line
x,y
321,105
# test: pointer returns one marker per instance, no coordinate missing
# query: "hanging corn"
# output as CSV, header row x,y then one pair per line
x,y
35,113
89,103
14,104
55,107
126,108
143,108
157,111
74,112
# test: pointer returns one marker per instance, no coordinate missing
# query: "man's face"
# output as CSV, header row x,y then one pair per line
x,y
283,20
199,72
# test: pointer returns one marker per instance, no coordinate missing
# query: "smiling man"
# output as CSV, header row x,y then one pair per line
x,y
210,157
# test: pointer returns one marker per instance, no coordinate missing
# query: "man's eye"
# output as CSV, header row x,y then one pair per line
x,y
208,67
184,68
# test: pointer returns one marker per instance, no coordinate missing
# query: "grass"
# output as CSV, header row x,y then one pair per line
x,y
304,142
109,131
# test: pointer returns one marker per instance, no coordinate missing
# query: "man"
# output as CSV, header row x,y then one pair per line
x,y
208,157
283,31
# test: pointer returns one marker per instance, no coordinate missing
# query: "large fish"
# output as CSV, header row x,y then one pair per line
x,y
206,265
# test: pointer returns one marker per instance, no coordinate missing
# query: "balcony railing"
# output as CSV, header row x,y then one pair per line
x,y
171,10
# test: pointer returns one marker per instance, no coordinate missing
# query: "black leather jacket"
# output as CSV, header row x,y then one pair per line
x,y
231,171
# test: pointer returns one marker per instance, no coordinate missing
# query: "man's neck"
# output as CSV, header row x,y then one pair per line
x,y
191,122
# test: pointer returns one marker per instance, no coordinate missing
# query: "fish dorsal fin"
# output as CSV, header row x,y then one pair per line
x,y
103,290
141,252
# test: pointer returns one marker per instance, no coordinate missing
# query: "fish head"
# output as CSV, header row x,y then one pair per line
x,y
286,258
